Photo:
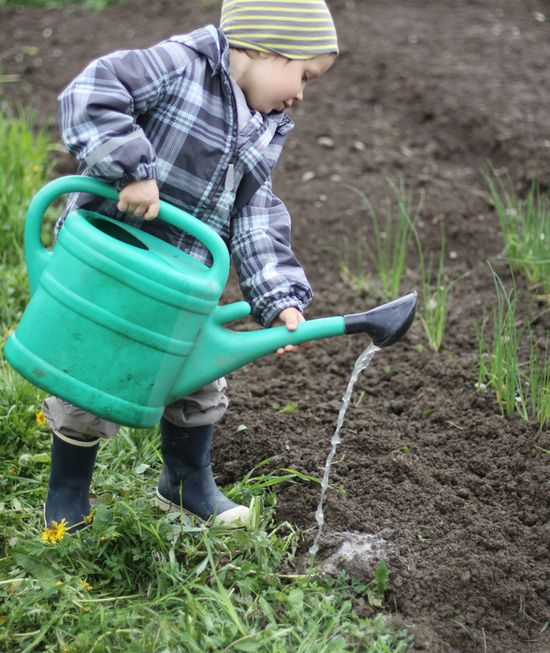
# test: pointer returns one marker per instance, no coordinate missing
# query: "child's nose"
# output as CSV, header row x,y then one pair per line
x,y
300,95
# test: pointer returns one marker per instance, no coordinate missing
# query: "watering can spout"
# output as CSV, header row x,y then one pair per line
x,y
219,351
384,324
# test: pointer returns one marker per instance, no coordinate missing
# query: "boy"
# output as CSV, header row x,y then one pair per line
x,y
198,120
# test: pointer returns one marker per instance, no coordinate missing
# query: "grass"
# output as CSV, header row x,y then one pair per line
x,y
137,579
525,226
26,163
391,238
521,382
140,580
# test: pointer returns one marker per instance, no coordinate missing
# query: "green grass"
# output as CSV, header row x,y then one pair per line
x,y
140,580
137,579
14,293
525,226
26,163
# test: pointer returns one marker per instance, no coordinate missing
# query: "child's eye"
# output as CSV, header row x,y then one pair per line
x,y
305,78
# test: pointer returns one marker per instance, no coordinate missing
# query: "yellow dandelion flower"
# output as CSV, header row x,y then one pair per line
x,y
12,470
90,518
55,532
58,583
40,418
2,618
85,584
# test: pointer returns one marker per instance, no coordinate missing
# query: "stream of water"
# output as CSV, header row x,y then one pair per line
x,y
360,364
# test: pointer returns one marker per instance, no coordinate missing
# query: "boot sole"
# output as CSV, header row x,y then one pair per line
x,y
237,517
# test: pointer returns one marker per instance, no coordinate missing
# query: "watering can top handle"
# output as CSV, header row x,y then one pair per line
x,y
37,255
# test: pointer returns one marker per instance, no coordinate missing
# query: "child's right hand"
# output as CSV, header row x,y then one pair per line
x,y
140,198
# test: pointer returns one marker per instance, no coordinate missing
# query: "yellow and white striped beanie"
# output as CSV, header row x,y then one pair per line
x,y
296,29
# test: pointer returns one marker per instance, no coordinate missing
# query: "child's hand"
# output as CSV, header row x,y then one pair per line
x,y
140,198
291,317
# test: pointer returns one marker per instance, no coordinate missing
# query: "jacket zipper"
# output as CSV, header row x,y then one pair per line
x,y
229,176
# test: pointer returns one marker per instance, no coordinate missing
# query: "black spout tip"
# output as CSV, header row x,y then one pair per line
x,y
384,324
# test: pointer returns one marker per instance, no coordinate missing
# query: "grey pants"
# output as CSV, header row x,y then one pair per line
x,y
206,406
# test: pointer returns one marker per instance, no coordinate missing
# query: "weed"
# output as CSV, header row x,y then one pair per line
x,y
379,585
289,408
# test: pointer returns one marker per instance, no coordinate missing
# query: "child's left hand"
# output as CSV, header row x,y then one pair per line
x,y
291,317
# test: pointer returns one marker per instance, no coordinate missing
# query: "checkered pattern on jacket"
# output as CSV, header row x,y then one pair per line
x,y
169,113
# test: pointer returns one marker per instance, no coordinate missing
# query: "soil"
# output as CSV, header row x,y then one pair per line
x,y
453,495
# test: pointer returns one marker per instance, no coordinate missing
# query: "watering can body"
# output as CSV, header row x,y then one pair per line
x,y
121,323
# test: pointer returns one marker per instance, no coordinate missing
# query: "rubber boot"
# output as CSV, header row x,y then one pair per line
x,y
187,482
71,474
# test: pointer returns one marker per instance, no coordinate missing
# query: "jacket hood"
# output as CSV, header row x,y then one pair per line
x,y
210,42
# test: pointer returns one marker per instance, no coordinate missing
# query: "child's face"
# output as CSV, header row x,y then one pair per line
x,y
274,83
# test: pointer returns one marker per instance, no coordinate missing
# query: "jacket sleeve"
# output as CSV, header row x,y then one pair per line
x,y
99,108
270,276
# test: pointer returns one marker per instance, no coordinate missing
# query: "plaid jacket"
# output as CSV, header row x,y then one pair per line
x,y
169,113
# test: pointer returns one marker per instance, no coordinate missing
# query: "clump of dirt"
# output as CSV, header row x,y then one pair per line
x,y
430,92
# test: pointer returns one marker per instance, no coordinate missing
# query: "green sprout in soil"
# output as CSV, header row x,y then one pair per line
x,y
391,241
525,226
433,309
521,383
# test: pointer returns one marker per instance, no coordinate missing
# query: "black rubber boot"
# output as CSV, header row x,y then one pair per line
x,y
71,474
187,482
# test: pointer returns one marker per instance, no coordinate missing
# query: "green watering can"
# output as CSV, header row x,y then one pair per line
x,y
122,323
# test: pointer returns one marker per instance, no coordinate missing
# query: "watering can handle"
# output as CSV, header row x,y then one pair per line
x,y
37,256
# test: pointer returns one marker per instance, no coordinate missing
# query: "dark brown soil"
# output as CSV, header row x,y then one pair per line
x,y
428,91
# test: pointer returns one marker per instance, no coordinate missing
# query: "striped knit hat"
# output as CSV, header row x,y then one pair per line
x,y
296,29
